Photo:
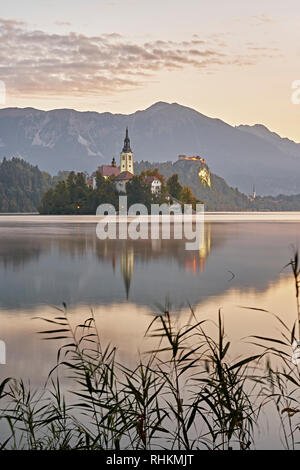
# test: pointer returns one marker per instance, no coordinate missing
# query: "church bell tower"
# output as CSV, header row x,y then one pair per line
x,y
126,156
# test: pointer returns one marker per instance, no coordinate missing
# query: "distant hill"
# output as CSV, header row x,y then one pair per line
x,y
69,140
287,146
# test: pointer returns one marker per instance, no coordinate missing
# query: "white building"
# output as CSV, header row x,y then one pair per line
x,y
154,183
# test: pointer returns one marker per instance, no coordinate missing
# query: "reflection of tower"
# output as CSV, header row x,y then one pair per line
x,y
114,262
126,156
127,264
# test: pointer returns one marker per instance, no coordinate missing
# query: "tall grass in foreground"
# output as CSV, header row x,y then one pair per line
x,y
185,393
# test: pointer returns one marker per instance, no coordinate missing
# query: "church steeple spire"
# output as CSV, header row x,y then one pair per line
x,y
126,156
126,148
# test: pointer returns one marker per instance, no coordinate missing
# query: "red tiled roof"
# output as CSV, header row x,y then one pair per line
x,y
108,170
150,179
124,176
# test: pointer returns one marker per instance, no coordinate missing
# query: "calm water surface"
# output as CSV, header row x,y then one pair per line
x,y
47,261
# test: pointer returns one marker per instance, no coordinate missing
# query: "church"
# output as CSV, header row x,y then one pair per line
x,y
121,174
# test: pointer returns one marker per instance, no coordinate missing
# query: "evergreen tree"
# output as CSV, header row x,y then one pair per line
x,y
173,186
21,185
187,197
138,192
74,196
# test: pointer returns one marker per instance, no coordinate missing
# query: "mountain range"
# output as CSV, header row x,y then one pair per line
x,y
65,139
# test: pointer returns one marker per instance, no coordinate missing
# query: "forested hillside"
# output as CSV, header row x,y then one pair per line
x,y
220,196
21,186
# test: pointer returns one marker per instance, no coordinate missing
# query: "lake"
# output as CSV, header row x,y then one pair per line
x,y
45,261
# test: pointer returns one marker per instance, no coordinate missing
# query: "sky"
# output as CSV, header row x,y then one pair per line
x,y
233,60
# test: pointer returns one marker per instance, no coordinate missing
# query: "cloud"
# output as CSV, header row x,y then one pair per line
x,y
263,19
37,63
62,23
255,20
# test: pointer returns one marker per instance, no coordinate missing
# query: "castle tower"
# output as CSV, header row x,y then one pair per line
x,y
126,156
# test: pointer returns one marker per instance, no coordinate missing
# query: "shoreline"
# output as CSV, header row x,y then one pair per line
x,y
208,217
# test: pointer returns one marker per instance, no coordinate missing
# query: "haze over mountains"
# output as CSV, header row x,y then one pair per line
x,y
65,139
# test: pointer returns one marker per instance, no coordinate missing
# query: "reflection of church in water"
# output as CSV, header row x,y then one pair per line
x,y
124,255
127,265
192,261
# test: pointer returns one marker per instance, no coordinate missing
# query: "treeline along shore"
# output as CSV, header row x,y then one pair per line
x,y
26,189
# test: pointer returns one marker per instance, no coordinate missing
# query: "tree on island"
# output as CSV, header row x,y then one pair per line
x,y
138,192
74,196
105,192
173,186
155,173
183,194
187,197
